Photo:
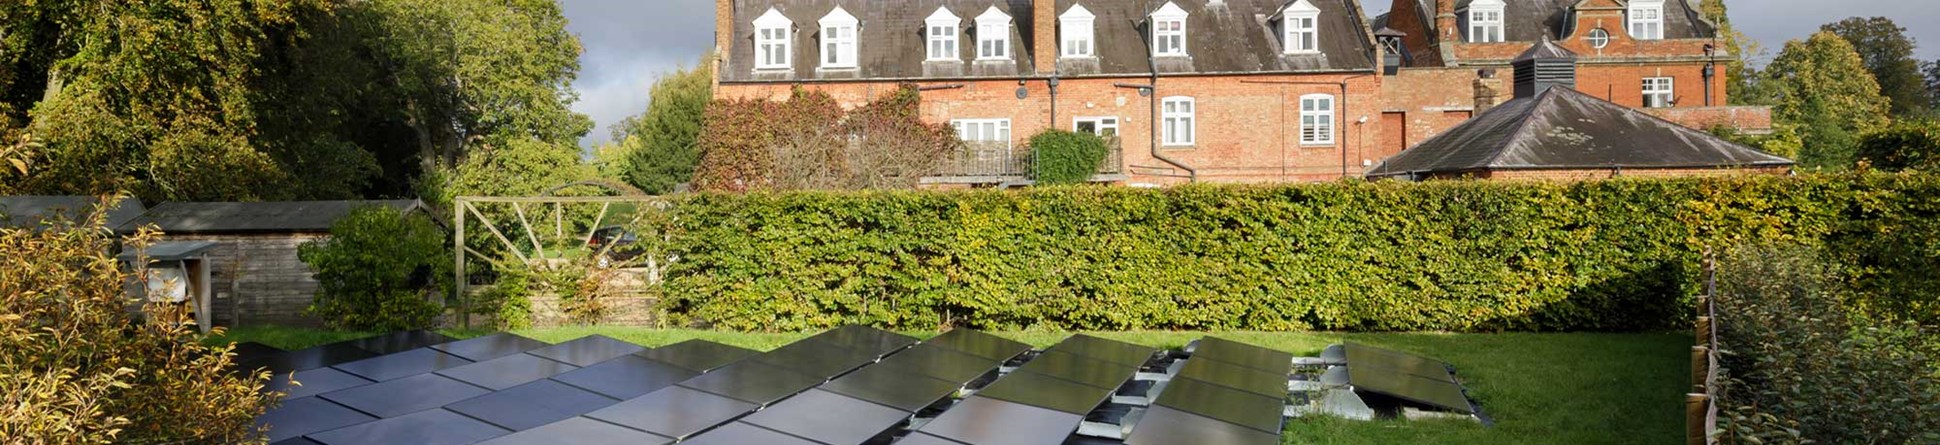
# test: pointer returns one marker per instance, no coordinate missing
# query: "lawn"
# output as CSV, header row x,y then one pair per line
x,y
1540,388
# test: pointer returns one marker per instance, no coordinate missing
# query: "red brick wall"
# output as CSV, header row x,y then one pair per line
x,y
1248,126
1755,120
1430,101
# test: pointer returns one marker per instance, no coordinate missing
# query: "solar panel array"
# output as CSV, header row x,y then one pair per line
x,y
1406,376
848,386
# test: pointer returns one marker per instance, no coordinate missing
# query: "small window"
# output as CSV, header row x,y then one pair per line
x,y
986,139
1077,30
1169,31
993,35
1316,119
838,47
1299,23
1647,19
941,29
1101,126
1599,38
771,41
1485,25
1180,125
1659,92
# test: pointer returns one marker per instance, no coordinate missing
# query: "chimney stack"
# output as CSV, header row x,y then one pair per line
x,y
723,34
1487,89
1445,23
1044,36
1544,66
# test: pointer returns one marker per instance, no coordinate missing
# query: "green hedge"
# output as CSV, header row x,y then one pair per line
x,y
1459,256
1065,157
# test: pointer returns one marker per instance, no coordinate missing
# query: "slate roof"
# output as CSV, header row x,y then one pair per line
x,y
29,211
1561,128
256,217
1229,36
1530,20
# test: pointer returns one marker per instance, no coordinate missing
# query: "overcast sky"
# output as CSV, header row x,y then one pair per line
x,y
631,42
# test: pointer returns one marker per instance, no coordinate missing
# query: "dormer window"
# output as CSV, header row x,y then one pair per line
x,y
1300,25
1169,31
1646,19
838,39
1485,21
993,35
942,31
772,45
1076,28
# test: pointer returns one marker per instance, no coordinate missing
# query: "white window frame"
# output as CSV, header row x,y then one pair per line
x,y
997,130
1300,28
839,39
993,35
944,31
1179,112
1098,124
1169,31
1598,38
1659,92
1646,19
1317,119
1485,22
773,40
1077,33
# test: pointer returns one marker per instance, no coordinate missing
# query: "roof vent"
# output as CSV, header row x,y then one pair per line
x,y
1545,65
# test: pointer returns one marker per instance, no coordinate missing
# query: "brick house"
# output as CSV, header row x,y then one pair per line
x,y
1447,60
1191,90
1551,131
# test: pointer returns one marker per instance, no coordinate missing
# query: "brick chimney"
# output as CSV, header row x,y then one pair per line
x,y
1488,90
1446,27
1044,36
723,32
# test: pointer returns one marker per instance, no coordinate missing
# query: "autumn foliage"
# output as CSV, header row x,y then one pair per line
x,y
809,142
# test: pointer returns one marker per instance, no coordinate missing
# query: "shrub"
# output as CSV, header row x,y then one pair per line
x,y
1460,256
76,368
1065,157
378,270
1802,364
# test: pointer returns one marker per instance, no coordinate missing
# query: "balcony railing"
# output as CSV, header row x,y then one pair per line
x,y
997,162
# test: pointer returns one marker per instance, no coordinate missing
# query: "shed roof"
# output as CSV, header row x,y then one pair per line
x,y
31,211
258,217
1561,128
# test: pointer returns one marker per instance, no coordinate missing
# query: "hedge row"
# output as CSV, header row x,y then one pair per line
x,y
1457,256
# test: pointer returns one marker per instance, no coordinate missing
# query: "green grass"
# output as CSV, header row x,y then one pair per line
x,y
1540,388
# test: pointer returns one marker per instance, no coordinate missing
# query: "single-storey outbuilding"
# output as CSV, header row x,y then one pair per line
x,y
32,211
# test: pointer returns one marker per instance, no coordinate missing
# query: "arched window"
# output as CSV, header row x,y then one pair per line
x,y
1316,119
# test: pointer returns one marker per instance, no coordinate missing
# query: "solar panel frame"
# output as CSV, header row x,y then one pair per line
x,y
588,350
738,433
1418,389
1243,354
816,358
406,395
939,362
893,387
921,438
403,364
580,431
676,411
432,427
828,417
531,405
489,347
1236,376
698,355
1047,392
1224,404
981,420
507,372
1366,357
1080,369
626,377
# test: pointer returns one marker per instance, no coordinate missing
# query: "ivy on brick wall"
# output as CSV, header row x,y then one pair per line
x,y
1457,256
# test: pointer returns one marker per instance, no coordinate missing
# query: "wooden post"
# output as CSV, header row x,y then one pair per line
x,y
1696,409
1701,367
530,235
458,282
1704,330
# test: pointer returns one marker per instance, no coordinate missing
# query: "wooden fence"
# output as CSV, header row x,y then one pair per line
x,y
1700,406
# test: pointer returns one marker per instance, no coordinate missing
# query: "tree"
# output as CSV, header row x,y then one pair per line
x,y
1908,144
659,145
1888,54
378,270
77,368
807,142
1740,77
1932,70
1823,87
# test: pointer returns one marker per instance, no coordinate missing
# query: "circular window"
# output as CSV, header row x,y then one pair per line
x,y
1599,38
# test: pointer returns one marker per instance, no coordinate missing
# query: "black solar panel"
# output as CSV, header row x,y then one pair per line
x,y
925,439
308,358
406,395
980,344
253,351
402,364
297,417
697,355
987,421
1236,377
586,351
893,386
675,411
531,405
744,434
1096,373
296,441
626,377
313,382
939,362
396,342
434,427
1243,354
1167,426
1047,392
1439,393
579,431
828,417
866,339
1107,350
490,346
816,358
1224,404
508,371
1363,357
752,382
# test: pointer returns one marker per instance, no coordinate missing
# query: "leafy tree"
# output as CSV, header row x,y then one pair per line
x,y
1822,87
378,271
1905,145
77,368
808,142
1740,77
1888,54
1932,70
659,146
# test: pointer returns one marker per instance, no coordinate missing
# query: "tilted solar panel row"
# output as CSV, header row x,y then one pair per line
x,y
1227,393
1043,401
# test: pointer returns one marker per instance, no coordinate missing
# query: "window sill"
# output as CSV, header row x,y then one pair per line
x,y
836,68
1179,147
773,69
1318,145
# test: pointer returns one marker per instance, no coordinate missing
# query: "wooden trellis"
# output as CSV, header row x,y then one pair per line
x,y
466,207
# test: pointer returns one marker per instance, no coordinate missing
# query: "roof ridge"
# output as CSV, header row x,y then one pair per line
x,y
1539,100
